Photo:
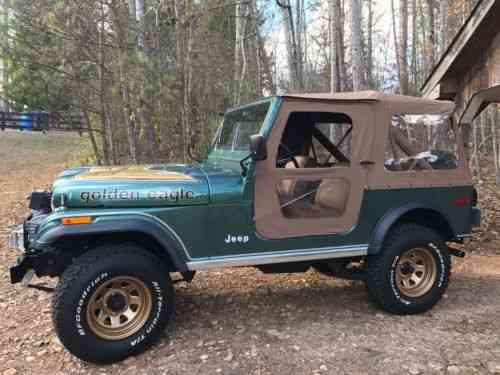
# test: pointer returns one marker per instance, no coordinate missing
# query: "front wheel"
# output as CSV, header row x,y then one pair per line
x,y
411,272
112,302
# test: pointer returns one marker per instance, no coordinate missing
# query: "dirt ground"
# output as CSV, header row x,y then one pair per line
x,y
240,321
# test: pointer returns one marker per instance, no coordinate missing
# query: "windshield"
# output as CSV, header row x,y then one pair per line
x,y
239,125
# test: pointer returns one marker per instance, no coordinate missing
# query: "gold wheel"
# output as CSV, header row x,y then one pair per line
x,y
119,308
416,272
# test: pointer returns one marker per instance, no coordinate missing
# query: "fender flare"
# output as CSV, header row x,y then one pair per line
x,y
171,244
385,224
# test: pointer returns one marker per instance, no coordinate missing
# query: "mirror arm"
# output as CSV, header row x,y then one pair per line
x,y
244,169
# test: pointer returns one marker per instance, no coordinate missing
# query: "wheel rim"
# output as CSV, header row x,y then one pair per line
x,y
119,308
416,272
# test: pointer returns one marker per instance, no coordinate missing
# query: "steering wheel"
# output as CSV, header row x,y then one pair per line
x,y
290,155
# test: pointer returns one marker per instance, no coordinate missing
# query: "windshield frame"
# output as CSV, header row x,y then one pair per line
x,y
237,155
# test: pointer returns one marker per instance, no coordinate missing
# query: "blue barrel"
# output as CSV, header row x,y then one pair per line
x,y
25,122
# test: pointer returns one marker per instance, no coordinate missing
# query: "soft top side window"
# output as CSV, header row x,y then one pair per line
x,y
419,142
316,140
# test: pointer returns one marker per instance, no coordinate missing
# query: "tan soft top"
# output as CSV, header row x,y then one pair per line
x,y
406,103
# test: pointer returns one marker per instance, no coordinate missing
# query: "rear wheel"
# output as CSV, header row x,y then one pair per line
x,y
411,272
112,302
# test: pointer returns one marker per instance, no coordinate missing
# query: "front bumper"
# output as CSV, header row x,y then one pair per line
x,y
22,266
29,262
22,269
16,238
21,239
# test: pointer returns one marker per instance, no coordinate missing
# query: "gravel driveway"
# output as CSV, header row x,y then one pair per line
x,y
240,321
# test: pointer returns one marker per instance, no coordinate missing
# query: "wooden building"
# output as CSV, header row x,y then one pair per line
x,y
468,73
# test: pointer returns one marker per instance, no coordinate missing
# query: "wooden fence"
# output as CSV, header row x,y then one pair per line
x,y
42,121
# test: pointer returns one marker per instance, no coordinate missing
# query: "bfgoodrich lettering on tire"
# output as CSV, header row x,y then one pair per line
x,y
411,273
112,302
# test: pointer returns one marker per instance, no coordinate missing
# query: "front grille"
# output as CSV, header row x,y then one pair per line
x,y
31,226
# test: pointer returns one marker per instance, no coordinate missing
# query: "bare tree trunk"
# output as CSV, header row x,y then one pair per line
x,y
266,65
302,46
341,47
285,10
396,43
403,46
111,134
129,118
414,45
423,68
475,154
4,61
102,88
255,44
495,131
369,53
332,26
483,122
337,65
431,41
241,78
293,54
93,142
188,78
298,39
356,50
494,140
131,9
180,15
238,37
143,110
443,12
139,14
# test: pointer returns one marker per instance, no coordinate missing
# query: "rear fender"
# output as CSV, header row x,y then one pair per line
x,y
415,212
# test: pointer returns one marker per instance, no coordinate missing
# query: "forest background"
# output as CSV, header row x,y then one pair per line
x,y
151,77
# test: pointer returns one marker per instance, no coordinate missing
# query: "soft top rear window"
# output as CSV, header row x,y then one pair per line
x,y
420,142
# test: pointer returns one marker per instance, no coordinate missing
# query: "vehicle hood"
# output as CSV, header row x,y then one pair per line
x,y
131,186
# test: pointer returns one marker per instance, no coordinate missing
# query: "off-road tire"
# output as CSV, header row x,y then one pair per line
x,y
90,271
381,270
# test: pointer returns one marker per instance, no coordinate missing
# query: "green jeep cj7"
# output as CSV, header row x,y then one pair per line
x,y
361,186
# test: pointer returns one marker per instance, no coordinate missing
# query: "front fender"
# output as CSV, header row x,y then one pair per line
x,y
111,224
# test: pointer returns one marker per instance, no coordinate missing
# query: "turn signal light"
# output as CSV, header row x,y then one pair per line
x,y
76,220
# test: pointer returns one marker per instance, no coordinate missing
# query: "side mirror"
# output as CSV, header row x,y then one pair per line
x,y
258,147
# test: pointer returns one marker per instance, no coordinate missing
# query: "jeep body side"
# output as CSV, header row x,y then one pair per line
x,y
274,205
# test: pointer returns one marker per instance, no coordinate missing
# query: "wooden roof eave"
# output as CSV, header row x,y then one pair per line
x,y
431,88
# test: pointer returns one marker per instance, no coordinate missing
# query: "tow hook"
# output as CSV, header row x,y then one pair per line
x,y
42,288
26,282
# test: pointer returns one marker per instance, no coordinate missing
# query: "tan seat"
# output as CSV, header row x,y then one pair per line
x,y
290,188
333,194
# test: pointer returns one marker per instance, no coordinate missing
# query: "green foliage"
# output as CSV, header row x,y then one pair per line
x,y
149,87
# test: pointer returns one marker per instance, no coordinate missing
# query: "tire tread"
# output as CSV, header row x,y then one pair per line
x,y
83,265
377,267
